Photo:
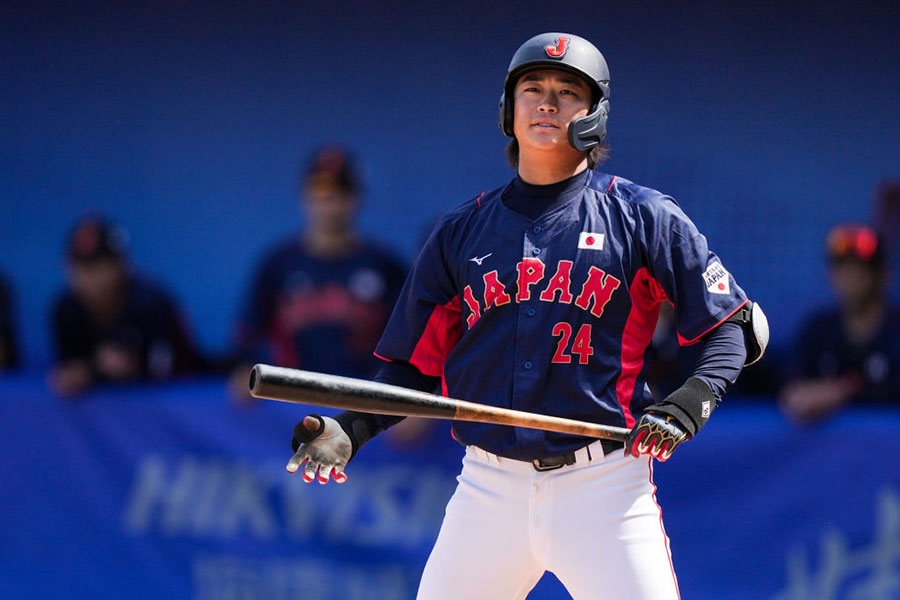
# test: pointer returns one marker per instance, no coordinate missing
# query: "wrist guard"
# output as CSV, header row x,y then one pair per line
x,y
690,405
359,427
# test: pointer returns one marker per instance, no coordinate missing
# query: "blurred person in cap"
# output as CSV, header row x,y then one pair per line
x,y
110,324
850,352
320,299
9,355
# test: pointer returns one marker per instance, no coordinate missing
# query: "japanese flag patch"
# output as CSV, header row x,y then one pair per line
x,y
590,241
717,279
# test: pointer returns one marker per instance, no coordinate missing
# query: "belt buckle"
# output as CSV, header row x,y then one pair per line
x,y
561,461
538,466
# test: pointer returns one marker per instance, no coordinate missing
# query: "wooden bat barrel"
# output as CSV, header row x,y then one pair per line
x,y
333,391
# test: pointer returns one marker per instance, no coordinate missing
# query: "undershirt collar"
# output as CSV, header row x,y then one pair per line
x,y
533,201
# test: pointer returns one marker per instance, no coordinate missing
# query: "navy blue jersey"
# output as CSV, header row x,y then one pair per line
x,y
554,315
320,314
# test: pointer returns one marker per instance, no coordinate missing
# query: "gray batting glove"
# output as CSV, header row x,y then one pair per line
x,y
321,443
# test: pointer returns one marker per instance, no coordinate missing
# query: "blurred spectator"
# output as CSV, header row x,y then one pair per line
x,y
886,215
110,324
9,356
850,353
320,300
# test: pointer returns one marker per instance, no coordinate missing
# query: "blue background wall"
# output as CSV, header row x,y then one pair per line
x,y
166,491
186,123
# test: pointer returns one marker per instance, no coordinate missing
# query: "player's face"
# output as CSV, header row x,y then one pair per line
x,y
545,103
329,208
855,283
97,283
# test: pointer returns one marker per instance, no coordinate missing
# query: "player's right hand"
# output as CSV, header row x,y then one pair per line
x,y
321,448
657,435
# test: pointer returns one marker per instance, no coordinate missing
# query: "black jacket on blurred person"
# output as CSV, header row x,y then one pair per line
x,y
109,324
870,367
9,354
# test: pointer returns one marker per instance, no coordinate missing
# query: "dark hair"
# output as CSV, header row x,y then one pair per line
x,y
332,165
595,155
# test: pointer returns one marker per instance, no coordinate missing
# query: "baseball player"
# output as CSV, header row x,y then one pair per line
x,y
542,295
320,300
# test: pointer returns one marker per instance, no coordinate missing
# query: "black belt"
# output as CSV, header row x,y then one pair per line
x,y
556,462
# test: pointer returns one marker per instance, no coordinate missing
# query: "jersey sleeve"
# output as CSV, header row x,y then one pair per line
x,y
694,279
426,322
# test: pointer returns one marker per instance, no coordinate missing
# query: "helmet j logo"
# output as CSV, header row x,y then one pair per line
x,y
562,44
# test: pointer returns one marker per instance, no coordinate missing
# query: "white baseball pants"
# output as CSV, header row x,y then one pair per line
x,y
595,525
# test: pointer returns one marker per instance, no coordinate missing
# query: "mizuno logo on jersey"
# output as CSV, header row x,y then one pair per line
x,y
478,261
590,241
595,291
717,279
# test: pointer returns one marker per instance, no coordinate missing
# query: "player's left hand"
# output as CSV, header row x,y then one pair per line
x,y
322,448
657,435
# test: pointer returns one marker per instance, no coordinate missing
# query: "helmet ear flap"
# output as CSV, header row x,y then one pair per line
x,y
506,116
589,131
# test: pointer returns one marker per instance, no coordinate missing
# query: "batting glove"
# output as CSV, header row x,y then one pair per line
x,y
323,446
657,435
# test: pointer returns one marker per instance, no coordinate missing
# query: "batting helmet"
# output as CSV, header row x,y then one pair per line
x,y
566,52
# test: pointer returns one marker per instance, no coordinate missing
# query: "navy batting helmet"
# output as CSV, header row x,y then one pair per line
x,y
566,52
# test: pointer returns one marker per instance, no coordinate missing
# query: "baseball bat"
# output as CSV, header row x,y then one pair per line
x,y
307,387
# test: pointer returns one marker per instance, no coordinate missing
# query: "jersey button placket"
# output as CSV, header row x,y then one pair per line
x,y
531,311
528,331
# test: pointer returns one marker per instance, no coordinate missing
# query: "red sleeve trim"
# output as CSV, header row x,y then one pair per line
x,y
442,332
382,357
684,342
478,199
611,183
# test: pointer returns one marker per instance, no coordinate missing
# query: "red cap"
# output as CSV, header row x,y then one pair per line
x,y
95,239
332,165
855,241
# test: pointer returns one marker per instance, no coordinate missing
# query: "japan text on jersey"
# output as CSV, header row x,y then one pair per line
x,y
555,315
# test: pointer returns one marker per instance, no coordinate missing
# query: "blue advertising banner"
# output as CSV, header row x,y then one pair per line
x,y
170,491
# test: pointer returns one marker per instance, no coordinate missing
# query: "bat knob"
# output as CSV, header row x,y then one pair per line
x,y
253,378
